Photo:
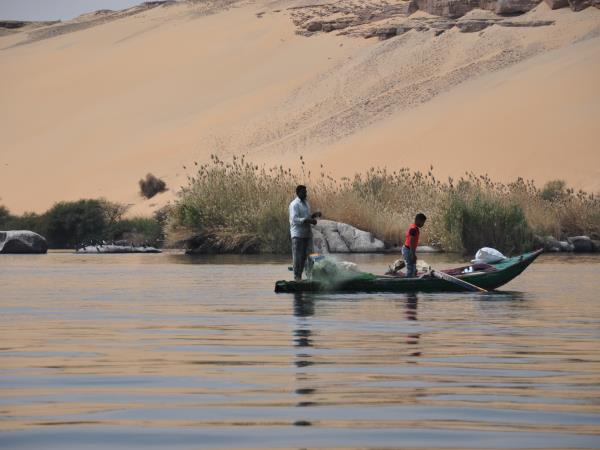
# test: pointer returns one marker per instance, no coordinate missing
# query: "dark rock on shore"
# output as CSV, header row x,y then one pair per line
x,y
114,248
577,244
581,244
548,243
22,241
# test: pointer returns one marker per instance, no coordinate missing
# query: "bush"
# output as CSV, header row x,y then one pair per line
x,y
138,231
69,224
553,190
234,207
73,223
484,221
151,185
4,217
28,221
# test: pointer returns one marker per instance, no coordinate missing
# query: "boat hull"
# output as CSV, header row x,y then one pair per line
x,y
506,271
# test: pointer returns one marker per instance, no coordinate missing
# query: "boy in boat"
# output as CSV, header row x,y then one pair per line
x,y
300,221
409,250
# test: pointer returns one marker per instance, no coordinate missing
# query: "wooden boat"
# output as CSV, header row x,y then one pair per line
x,y
486,276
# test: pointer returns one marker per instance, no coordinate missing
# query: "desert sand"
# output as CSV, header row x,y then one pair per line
x,y
88,108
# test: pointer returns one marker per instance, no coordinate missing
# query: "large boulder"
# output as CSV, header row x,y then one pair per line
x,y
581,244
448,8
22,241
557,4
337,237
504,7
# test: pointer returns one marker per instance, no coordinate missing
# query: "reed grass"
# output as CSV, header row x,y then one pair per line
x,y
238,206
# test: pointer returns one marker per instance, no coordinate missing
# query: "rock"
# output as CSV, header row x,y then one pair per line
x,y
579,5
447,8
581,244
528,24
595,245
111,248
359,241
389,32
565,246
514,6
337,237
22,241
548,243
472,26
319,242
12,24
557,4
314,26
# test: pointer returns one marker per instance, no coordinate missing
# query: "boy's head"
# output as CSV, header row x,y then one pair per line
x,y
420,220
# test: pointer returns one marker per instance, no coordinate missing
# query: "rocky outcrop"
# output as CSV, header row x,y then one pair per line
x,y
507,7
439,25
337,237
375,18
22,241
578,5
448,8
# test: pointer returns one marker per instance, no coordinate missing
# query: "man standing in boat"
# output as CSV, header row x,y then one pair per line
x,y
300,229
411,242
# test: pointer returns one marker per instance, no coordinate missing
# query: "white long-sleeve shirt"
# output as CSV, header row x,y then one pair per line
x,y
299,212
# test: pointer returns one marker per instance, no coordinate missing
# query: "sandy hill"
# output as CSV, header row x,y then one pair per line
x,y
89,106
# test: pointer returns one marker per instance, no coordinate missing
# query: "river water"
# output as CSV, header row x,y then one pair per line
x,y
166,351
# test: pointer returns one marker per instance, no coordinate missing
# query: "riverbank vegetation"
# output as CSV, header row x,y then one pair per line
x,y
70,224
238,206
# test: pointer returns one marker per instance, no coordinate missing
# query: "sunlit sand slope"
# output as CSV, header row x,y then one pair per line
x,y
87,111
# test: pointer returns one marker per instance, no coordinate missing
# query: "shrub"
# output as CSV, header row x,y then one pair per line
x,y
151,185
137,230
28,221
72,223
234,207
4,217
553,190
480,220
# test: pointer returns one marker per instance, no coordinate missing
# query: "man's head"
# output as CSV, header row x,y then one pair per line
x,y
301,192
420,220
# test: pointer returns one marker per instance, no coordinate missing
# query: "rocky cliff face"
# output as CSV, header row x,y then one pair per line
x,y
386,19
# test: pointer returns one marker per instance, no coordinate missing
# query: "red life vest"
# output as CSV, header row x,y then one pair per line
x,y
416,236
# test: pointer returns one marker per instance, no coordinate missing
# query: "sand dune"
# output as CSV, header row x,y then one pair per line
x,y
88,111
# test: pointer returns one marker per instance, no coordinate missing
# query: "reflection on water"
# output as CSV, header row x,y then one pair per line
x,y
164,351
